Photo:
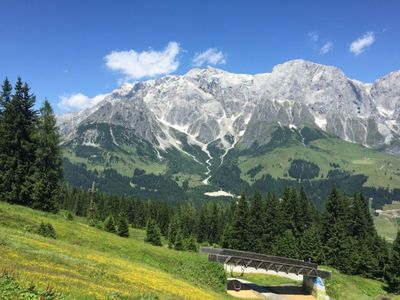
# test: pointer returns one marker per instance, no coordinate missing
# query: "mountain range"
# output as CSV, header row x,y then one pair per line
x,y
211,132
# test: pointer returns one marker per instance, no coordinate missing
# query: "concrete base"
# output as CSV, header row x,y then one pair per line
x,y
315,286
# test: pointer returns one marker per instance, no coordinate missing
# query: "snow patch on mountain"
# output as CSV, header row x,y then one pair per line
x,y
214,106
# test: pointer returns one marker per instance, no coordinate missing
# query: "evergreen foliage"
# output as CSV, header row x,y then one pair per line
x,y
335,222
190,244
123,227
342,236
30,156
239,238
256,224
46,230
214,227
153,235
179,243
310,245
17,146
286,245
69,216
173,232
109,225
392,274
48,162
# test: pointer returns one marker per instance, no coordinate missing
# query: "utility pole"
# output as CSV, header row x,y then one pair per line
x,y
92,205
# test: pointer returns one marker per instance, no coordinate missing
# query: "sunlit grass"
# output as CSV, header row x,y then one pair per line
x,y
87,263
382,169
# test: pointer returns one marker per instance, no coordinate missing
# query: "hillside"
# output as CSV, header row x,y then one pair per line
x,y
88,263
173,138
339,286
317,161
387,220
306,156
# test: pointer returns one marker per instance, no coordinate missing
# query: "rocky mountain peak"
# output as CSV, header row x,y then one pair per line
x,y
214,106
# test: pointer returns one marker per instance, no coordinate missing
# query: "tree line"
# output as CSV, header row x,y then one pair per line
x,y
342,235
30,155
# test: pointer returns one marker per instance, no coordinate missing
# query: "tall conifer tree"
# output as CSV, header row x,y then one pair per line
x,y
5,94
335,235
273,222
48,162
256,226
18,146
392,274
240,226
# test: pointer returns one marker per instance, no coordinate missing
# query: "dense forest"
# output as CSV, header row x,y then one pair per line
x,y
30,155
341,235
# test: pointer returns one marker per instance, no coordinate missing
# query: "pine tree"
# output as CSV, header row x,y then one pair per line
x,y
69,216
286,245
5,95
273,222
240,231
202,226
48,162
336,240
123,227
370,254
256,226
17,146
173,229
179,243
46,230
308,214
214,227
153,234
5,98
310,246
190,244
109,225
290,209
226,237
361,223
392,272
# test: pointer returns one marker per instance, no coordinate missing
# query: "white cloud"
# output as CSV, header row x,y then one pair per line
x,y
136,65
211,56
327,47
78,101
358,46
314,36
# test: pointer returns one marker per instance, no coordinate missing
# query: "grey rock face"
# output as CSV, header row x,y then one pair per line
x,y
210,104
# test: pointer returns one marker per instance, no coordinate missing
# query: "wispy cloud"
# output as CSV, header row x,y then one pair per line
x,y
327,47
314,36
78,101
151,63
211,56
359,45
318,45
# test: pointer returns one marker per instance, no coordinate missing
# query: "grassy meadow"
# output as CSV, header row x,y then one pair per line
x,y
382,169
88,263
388,222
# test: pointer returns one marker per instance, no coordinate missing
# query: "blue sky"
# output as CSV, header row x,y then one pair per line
x,y
87,48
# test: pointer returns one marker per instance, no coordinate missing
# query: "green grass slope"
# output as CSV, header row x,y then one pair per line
x,y
349,287
339,286
382,170
387,223
88,263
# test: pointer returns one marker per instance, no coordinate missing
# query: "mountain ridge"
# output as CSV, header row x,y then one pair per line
x,y
202,85
201,116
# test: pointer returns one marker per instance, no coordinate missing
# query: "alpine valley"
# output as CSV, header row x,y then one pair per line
x,y
213,133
